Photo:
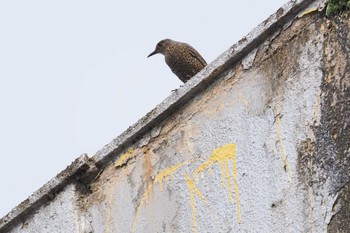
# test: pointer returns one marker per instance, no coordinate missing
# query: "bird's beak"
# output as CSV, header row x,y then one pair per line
x,y
154,52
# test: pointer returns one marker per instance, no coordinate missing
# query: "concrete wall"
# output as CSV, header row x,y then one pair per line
x,y
255,144
59,215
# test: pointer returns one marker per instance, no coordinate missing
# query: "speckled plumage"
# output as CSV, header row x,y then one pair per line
x,y
183,60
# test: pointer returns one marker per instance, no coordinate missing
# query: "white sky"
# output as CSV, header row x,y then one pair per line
x,y
74,74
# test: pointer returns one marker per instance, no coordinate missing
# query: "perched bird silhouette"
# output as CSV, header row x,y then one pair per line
x,y
183,60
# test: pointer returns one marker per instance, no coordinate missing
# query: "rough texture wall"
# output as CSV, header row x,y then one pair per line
x,y
55,206
333,133
60,215
265,149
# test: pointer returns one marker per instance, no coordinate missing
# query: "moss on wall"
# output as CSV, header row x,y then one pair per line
x,y
335,6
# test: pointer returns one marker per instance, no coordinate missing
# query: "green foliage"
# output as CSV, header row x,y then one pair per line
x,y
336,6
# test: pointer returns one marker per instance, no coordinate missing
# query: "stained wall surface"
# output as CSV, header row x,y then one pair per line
x,y
264,148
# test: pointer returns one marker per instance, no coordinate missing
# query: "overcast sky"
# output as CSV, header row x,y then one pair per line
x,y
74,74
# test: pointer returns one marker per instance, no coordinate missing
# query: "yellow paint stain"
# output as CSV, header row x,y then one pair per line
x,y
307,12
109,204
284,155
165,174
124,157
222,156
143,200
194,190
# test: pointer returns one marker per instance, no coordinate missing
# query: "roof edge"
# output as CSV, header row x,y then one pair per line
x,y
205,78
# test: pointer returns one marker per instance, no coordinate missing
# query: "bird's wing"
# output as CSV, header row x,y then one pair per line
x,y
196,55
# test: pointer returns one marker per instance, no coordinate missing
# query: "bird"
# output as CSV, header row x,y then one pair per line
x,y
183,60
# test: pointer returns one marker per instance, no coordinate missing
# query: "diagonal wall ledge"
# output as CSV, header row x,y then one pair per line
x,y
176,100
257,141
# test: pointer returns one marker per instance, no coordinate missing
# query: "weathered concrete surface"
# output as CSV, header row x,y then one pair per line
x,y
259,141
333,146
82,169
255,152
54,218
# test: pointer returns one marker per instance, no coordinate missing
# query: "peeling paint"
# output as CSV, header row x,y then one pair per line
x,y
124,158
